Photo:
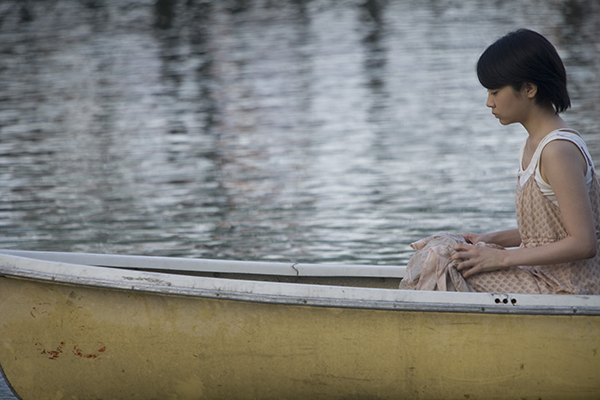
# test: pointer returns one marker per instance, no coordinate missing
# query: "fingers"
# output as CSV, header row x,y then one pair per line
x,y
468,268
471,238
466,265
467,237
462,247
469,272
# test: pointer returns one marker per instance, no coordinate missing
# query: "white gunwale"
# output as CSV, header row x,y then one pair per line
x,y
125,273
217,266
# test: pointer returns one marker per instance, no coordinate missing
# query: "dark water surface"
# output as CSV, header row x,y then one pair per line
x,y
311,131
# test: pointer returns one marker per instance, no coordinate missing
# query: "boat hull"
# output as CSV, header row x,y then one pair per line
x,y
66,341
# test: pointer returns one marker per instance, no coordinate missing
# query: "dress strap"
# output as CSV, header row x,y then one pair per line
x,y
533,168
572,136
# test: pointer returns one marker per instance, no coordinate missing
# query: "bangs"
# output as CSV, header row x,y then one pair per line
x,y
496,66
488,74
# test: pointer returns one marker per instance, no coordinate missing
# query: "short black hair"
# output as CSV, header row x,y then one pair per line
x,y
525,56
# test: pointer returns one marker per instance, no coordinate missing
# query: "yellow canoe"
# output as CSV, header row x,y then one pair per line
x,y
84,326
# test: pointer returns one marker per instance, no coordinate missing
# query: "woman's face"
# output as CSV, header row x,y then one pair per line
x,y
508,105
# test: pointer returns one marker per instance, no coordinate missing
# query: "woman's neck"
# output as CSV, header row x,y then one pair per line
x,y
542,121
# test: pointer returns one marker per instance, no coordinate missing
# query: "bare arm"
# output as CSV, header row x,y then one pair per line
x,y
563,167
509,238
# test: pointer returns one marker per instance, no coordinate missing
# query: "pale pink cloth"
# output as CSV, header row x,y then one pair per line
x,y
431,267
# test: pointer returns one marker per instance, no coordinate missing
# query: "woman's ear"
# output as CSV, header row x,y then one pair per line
x,y
530,89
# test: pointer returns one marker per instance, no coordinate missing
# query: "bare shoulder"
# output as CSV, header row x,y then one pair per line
x,y
561,153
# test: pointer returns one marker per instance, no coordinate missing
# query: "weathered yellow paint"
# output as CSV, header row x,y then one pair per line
x,y
67,342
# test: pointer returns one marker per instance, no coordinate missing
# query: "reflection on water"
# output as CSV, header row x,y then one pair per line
x,y
314,131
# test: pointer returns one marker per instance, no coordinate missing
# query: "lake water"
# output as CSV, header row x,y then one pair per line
x,y
306,131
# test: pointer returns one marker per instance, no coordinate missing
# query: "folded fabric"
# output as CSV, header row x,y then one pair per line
x,y
432,268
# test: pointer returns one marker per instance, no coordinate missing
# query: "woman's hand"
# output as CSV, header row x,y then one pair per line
x,y
471,238
476,259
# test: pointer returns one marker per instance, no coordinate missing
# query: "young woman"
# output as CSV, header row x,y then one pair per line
x,y
558,194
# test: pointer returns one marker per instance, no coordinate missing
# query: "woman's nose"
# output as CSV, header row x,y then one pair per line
x,y
489,101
